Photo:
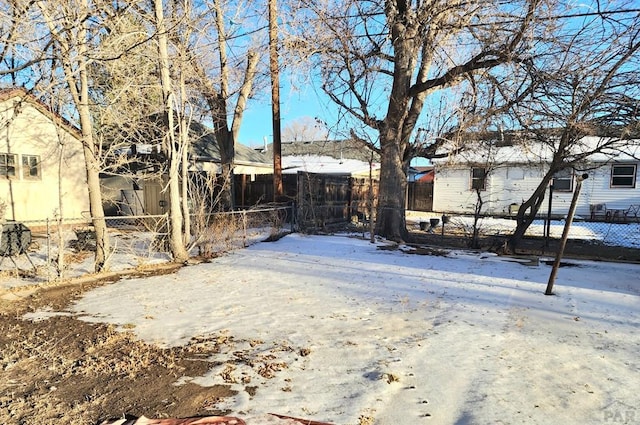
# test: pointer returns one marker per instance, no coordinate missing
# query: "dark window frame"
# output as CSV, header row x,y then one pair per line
x,y
478,180
563,181
28,169
615,182
8,169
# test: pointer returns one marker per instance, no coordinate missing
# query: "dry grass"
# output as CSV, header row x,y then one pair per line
x,y
218,234
65,371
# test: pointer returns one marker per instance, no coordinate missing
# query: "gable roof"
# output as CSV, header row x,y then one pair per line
x,y
26,96
204,147
529,152
147,137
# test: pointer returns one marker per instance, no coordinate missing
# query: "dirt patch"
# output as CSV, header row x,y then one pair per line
x,y
63,370
425,250
561,264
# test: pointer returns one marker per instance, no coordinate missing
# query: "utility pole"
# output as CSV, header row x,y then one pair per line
x,y
275,102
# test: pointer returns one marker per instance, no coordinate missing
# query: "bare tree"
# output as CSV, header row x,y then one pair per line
x,y
172,147
306,129
198,80
123,90
225,82
393,64
22,46
69,28
589,85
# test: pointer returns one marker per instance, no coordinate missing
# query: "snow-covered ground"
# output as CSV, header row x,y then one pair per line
x,y
130,250
134,249
333,328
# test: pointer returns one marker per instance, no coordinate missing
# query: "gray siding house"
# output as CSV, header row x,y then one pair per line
x,y
508,175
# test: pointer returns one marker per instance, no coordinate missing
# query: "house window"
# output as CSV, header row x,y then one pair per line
x,y
8,165
30,167
623,176
563,181
515,173
478,178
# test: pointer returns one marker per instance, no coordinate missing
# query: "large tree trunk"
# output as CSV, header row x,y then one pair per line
x,y
391,222
93,172
397,127
226,137
95,198
226,143
217,102
226,147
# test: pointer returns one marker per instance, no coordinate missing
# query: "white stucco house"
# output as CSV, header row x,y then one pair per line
x,y
42,170
508,175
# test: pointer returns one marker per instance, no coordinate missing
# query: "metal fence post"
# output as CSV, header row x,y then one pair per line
x,y
48,252
244,228
547,227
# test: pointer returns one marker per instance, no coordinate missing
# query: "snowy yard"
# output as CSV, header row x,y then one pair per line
x,y
333,328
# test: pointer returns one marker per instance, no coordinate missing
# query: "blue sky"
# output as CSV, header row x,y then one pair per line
x,y
294,103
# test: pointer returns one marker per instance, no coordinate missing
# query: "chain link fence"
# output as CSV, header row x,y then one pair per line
x,y
65,248
619,233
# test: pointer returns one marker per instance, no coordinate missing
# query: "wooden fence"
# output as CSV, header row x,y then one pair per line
x,y
420,196
321,199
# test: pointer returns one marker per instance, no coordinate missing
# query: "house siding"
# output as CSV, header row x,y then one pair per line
x,y
515,183
599,191
453,194
28,131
